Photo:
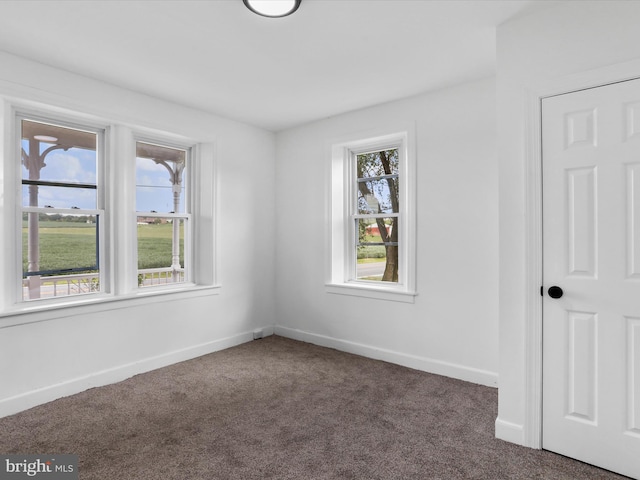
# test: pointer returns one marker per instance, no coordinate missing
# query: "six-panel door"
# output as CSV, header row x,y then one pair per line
x,y
591,230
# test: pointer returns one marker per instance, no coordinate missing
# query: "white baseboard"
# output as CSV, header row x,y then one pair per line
x,y
24,401
509,432
469,374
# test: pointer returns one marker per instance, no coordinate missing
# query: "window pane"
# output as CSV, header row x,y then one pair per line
x,y
159,178
59,255
377,249
64,156
377,183
160,250
377,164
378,196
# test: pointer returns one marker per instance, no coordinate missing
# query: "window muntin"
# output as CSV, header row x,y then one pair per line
x,y
61,214
376,215
162,214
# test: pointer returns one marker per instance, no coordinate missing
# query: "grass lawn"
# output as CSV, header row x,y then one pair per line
x,y
154,246
372,260
73,245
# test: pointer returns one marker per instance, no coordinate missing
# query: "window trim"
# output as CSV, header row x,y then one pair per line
x,y
340,252
116,148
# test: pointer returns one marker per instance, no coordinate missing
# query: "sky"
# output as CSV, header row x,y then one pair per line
x,y
153,187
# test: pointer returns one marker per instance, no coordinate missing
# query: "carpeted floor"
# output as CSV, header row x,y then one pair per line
x,y
281,409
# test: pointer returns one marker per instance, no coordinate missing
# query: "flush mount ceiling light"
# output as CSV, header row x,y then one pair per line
x,y
272,8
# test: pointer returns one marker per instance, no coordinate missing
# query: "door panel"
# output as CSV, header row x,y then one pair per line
x,y
633,220
581,360
591,242
582,221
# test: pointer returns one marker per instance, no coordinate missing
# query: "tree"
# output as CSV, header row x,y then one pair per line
x,y
378,178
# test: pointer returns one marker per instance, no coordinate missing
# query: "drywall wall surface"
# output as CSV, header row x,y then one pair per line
x,y
451,327
551,46
70,349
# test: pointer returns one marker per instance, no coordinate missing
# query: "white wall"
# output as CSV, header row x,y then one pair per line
x,y
68,350
555,45
452,327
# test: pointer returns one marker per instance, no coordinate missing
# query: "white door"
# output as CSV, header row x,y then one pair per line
x,y
591,229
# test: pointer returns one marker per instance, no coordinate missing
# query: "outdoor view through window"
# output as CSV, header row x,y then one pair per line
x,y
162,217
376,218
61,216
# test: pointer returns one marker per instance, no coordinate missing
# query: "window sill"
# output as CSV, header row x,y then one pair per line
x,y
39,311
371,291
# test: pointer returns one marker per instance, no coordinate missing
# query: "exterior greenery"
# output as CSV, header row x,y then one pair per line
x,y
65,242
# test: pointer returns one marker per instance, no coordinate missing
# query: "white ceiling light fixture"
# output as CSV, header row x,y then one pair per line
x,y
272,8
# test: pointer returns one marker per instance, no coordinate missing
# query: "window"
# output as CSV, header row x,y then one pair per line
x,y
101,215
62,213
161,214
372,235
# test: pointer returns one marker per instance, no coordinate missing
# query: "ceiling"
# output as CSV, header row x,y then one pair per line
x,y
330,57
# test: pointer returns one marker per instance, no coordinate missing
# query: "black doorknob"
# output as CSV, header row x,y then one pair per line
x,y
555,292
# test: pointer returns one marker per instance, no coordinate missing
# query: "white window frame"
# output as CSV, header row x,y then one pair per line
x,y
341,261
118,245
100,130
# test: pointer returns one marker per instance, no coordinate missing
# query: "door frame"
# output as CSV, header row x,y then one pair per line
x,y
532,428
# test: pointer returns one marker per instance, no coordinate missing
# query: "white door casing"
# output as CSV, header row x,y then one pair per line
x,y
591,249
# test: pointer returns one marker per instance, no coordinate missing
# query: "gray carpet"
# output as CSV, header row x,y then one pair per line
x,y
281,409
